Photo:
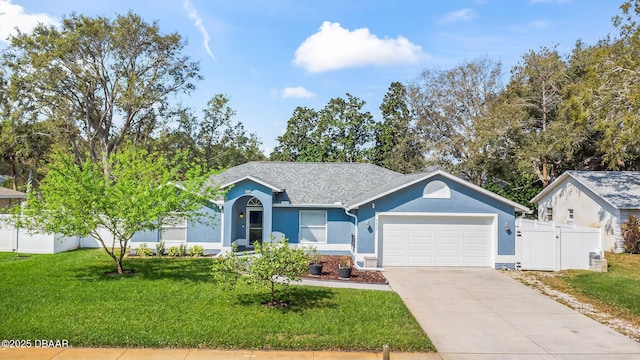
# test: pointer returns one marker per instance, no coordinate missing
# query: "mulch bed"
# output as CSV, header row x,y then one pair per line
x,y
330,272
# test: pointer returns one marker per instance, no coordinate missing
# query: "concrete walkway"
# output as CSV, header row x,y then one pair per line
x,y
184,354
485,314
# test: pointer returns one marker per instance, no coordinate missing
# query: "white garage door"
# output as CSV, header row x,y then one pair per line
x,y
414,240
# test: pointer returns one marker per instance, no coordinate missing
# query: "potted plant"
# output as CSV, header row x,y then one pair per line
x,y
344,269
315,262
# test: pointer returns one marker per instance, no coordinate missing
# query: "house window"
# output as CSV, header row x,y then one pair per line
x,y
173,228
549,214
254,202
436,190
313,226
570,214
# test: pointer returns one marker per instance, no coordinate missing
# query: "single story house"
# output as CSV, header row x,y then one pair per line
x,y
9,198
380,217
603,199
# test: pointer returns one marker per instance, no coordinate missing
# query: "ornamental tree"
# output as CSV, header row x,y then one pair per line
x,y
139,191
273,262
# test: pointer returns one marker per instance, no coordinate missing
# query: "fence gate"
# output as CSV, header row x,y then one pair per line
x,y
552,247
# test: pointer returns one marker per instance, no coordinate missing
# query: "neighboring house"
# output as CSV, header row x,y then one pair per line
x,y
592,198
381,217
9,198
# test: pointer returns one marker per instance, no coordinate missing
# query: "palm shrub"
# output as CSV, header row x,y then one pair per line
x,y
160,248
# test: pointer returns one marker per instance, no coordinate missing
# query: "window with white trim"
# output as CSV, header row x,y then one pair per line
x,y
173,228
313,226
570,214
549,214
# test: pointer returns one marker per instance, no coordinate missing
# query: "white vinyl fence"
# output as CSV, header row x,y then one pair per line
x,y
553,247
24,241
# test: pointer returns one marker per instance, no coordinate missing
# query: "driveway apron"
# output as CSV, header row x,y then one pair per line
x,y
475,313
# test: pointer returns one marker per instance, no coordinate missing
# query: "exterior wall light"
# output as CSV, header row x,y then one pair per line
x,y
241,215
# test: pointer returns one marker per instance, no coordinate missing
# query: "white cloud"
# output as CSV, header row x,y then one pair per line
x,y
193,15
334,47
539,24
297,92
13,16
460,15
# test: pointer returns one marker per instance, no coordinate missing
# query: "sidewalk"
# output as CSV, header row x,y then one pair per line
x,y
185,354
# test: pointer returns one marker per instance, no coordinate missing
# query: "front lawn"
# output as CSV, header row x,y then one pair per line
x,y
615,291
172,302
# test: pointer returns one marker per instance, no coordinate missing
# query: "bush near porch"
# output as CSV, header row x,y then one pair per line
x,y
173,302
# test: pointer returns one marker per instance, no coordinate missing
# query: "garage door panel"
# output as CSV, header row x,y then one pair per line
x,y
436,241
419,246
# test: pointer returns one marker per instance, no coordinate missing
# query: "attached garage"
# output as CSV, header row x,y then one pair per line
x,y
436,239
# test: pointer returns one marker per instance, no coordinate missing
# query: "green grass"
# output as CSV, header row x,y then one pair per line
x,y
615,291
174,303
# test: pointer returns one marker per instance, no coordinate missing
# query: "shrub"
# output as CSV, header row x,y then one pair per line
x,y
196,250
274,262
160,248
315,258
182,250
631,235
144,250
173,251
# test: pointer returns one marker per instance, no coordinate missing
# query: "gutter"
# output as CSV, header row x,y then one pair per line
x,y
355,227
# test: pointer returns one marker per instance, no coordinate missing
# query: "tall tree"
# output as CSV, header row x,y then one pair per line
x,y
397,145
451,105
222,142
24,141
536,85
608,95
100,76
340,131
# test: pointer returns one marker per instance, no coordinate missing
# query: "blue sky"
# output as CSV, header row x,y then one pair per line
x,y
271,56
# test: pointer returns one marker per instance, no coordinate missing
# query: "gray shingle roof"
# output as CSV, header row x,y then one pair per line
x,y
619,188
10,194
313,183
349,184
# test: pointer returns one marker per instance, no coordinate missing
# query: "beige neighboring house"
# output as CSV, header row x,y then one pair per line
x,y
603,199
9,198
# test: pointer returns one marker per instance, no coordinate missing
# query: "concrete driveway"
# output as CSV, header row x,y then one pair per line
x,y
485,314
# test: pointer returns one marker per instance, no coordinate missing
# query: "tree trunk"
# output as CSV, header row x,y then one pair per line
x,y
273,292
119,263
14,175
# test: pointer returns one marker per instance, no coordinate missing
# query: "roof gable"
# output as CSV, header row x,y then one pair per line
x,y
621,189
410,179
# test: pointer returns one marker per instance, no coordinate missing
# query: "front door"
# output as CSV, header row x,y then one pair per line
x,y
254,225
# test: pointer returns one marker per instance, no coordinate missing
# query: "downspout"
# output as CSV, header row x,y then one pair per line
x,y
355,230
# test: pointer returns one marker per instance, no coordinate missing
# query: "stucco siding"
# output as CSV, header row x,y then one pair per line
x,y
287,220
339,225
588,209
462,200
236,203
209,231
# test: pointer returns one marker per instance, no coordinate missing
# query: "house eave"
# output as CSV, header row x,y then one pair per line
x,y
517,207
333,206
254,179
